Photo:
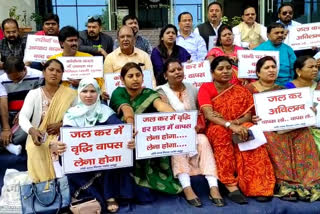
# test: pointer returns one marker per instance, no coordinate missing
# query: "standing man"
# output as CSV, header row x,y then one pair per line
x,y
141,42
286,54
209,29
285,15
12,44
50,25
249,34
93,41
193,43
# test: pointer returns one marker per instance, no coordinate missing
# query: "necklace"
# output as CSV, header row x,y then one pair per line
x,y
229,52
219,88
303,83
48,94
264,87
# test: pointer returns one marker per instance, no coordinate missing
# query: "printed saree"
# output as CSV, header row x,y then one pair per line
x,y
251,170
40,165
294,158
155,173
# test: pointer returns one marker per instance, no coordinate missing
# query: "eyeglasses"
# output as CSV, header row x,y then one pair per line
x,y
94,18
287,12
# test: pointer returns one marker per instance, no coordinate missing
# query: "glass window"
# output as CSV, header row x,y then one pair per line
x,y
85,13
92,2
63,2
67,16
192,6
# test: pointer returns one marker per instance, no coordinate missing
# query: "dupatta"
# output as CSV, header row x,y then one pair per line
x,y
40,165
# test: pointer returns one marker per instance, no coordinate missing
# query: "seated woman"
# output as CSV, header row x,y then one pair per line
x,y
106,185
225,47
166,49
183,97
227,108
152,173
45,107
297,174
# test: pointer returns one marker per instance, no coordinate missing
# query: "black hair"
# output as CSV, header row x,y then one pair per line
x,y
127,17
285,5
215,2
214,64
261,62
300,62
127,67
95,19
184,13
13,64
9,20
222,28
162,48
48,63
51,16
247,7
66,32
274,25
168,62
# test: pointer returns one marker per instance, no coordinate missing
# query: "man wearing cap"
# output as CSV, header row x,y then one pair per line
x,y
93,41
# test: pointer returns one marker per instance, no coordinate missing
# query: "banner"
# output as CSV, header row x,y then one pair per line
x,y
197,73
316,102
112,81
41,48
248,60
165,134
96,148
304,36
81,67
284,109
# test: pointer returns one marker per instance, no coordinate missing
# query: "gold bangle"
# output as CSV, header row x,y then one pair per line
x,y
6,129
238,123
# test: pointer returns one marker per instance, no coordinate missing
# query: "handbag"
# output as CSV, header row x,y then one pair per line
x,y
45,197
87,207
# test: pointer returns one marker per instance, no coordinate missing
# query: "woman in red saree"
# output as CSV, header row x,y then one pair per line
x,y
228,109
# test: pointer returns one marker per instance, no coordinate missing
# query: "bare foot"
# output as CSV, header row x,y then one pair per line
x,y
214,192
188,192
232,188
112,205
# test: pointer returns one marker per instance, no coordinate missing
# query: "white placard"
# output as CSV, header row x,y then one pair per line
x,y
248,60
197,73
96,148
284,109
82,67
316,101
165,134
41,48
112,81
259,140
304,36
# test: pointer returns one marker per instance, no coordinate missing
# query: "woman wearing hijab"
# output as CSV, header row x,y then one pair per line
x,y
106,185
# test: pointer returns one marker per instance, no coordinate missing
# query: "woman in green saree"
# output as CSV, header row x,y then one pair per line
x,y
133,99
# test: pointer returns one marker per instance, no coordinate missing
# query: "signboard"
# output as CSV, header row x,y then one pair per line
x,y
165,134
304,36
96,148
284,109
197,73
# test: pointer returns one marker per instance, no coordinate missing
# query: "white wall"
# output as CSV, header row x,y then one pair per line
x,y
28,5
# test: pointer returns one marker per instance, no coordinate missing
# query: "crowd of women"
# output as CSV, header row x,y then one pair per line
x,y
287,166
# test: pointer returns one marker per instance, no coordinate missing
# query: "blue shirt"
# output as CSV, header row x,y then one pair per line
x,y
194,44
286,57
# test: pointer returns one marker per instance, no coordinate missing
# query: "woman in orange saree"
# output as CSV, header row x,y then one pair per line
x,y
228,109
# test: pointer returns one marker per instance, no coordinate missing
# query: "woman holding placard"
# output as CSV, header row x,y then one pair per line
x,y
166,49
293,153
183,96
225,47
228,109
106,185
41,117
152,173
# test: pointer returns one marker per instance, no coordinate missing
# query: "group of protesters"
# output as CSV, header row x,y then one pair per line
x,y
35,103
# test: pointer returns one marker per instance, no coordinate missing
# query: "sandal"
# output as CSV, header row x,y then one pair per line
x,y
315,191
290,197
112,203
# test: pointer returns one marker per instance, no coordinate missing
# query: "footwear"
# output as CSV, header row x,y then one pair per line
x,y
290,197
219,202
112,203
263,199
194,202
237,197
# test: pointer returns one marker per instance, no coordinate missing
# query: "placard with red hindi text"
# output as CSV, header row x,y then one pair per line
x,y
304,36
197,73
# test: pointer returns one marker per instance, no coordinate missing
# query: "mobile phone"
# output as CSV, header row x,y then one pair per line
x,y
236,137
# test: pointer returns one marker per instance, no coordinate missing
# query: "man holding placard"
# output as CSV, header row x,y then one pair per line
x,y
286,54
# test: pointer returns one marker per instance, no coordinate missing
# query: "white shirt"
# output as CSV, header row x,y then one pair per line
x,y
194,44
196,31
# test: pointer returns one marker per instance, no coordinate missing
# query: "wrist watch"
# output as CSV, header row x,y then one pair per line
x,y
227,124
